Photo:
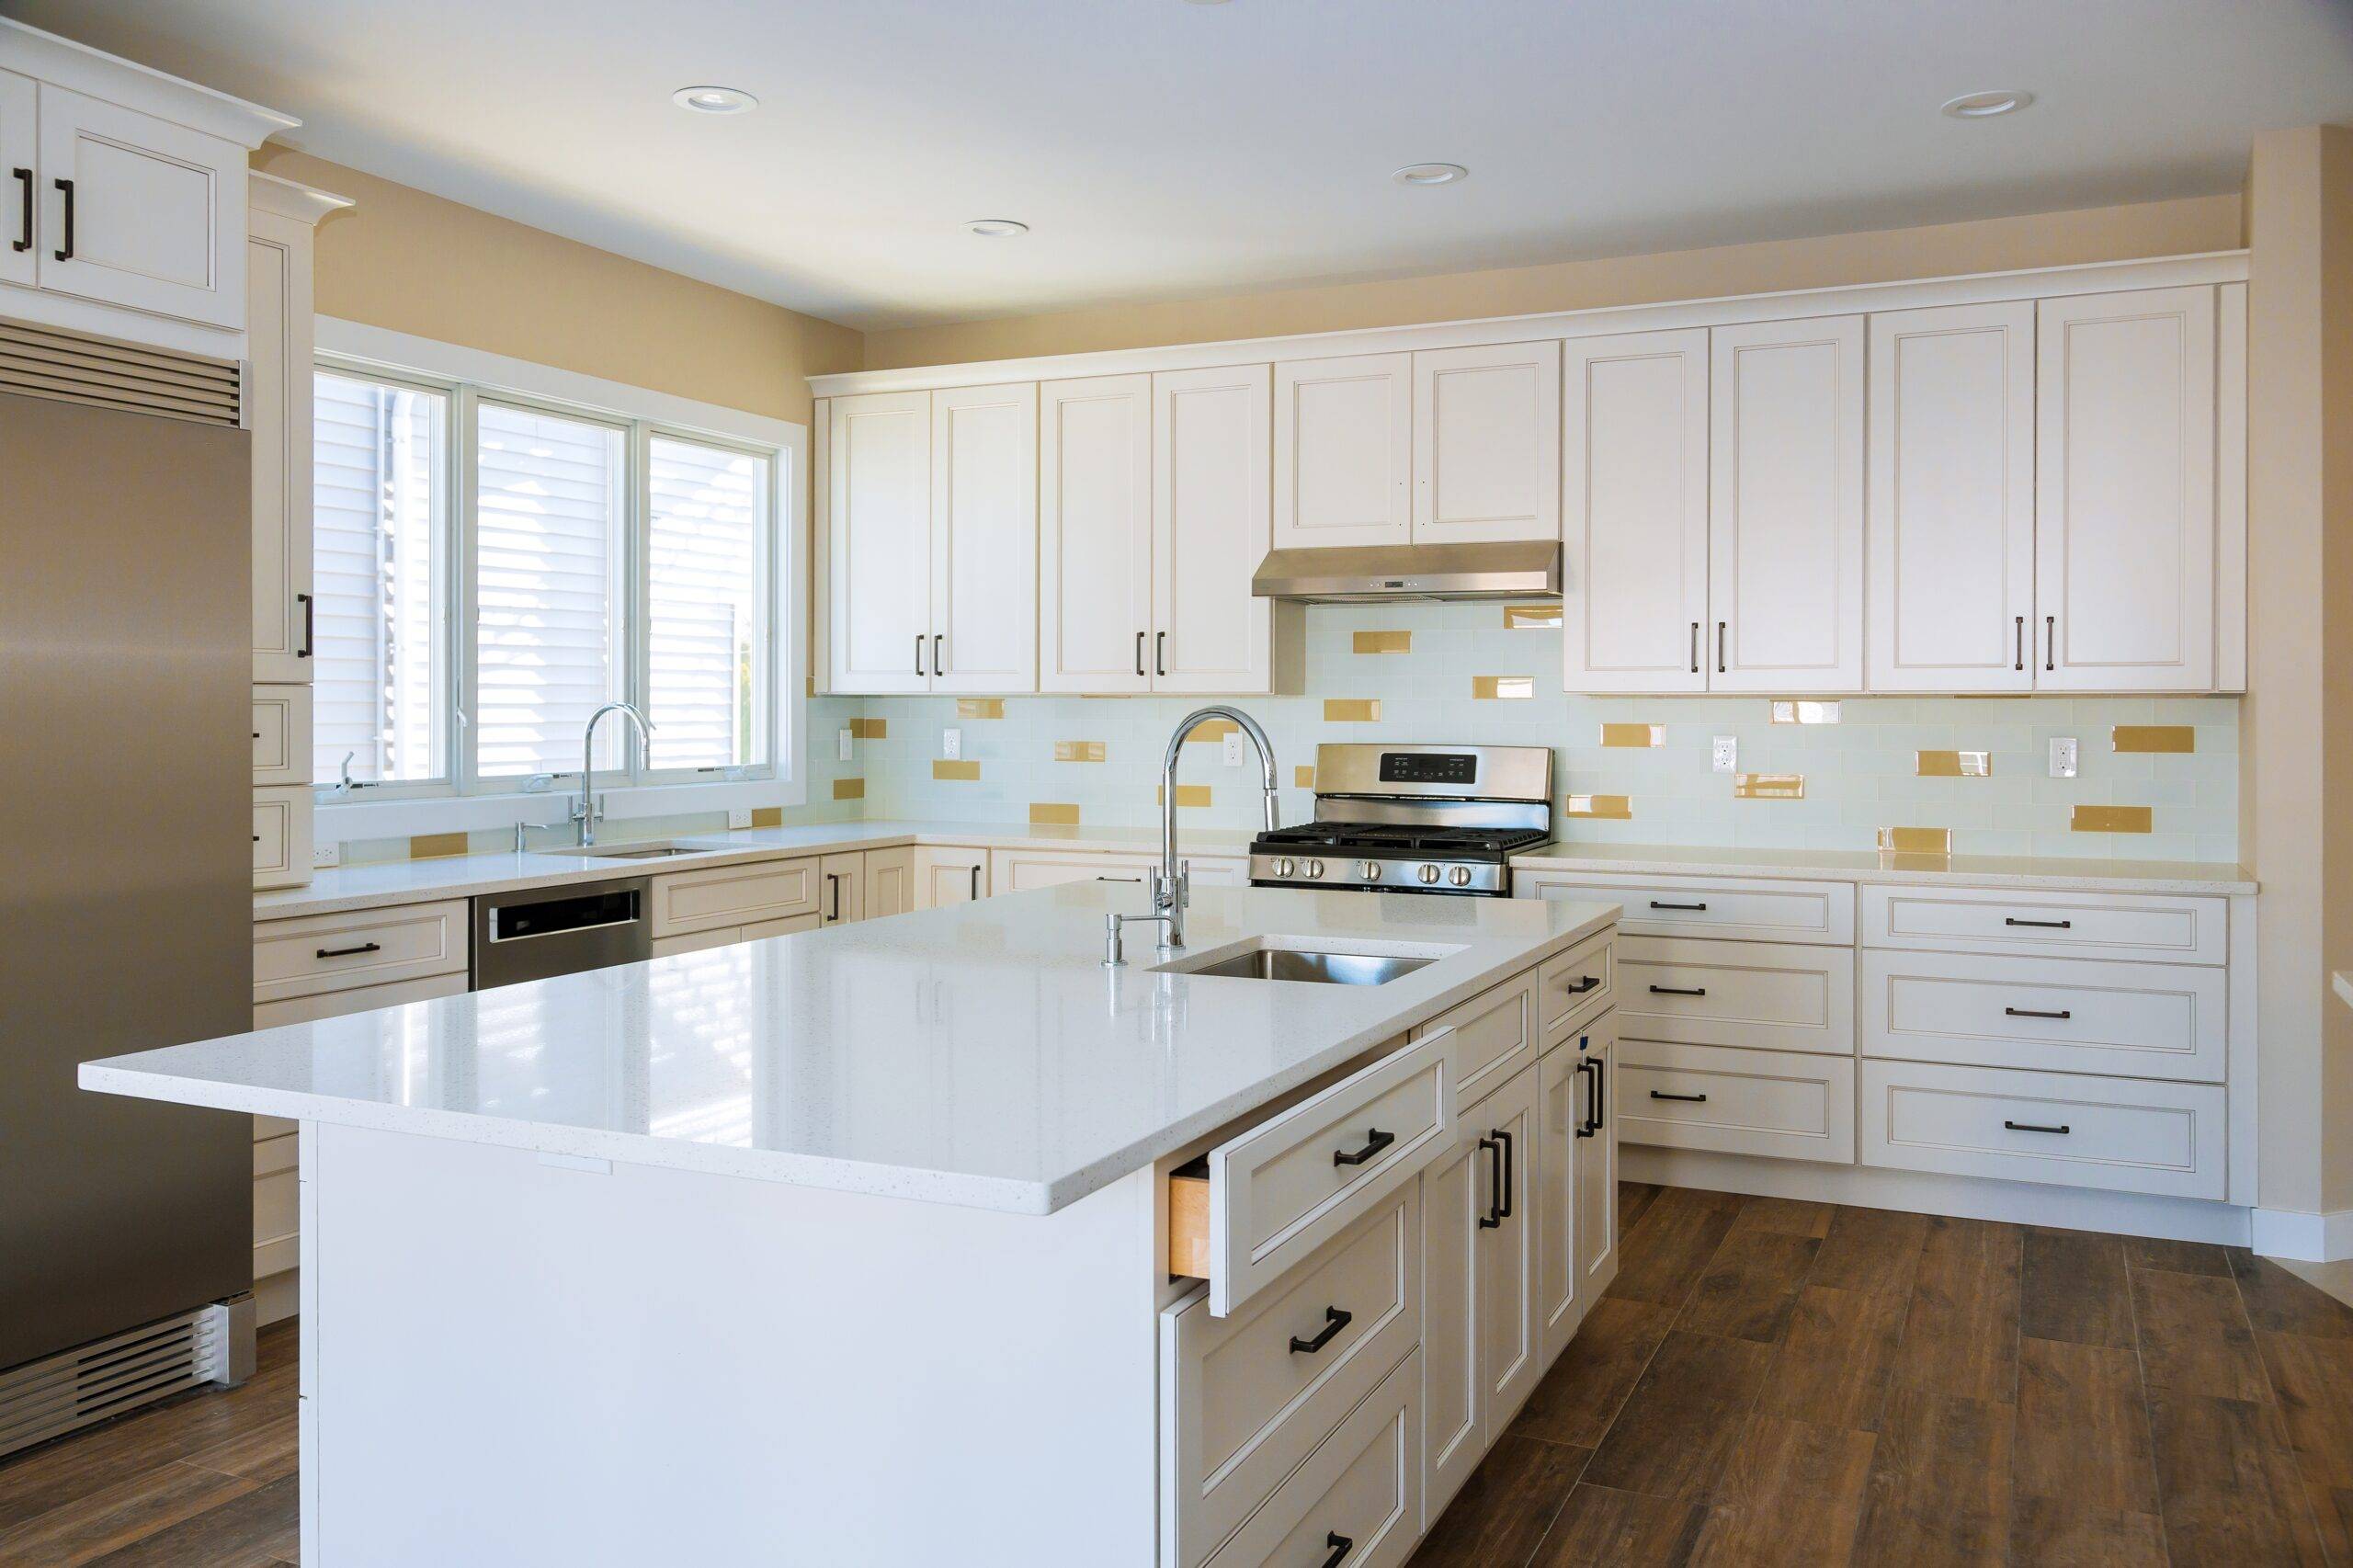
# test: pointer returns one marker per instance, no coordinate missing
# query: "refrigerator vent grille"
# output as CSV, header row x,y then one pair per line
x,y
71,367
48,1398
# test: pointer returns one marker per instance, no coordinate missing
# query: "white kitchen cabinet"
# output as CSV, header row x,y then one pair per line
x,y
1344,451
889,876
1487,443
1019,871
1211,432
950,875
1560,1123
1785,569
281,734
984,539
1952,528
19,126
280,339
1595,1230
1094,544
879,557
2124,490
841,888
1634,511
283,835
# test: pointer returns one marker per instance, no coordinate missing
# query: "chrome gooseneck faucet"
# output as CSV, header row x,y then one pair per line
x,y
588,810
1170,882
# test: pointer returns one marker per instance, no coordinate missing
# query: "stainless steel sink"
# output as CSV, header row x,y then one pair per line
x,y
645,849
1292,959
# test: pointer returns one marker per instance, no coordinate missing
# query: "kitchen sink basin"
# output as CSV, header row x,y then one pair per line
x,y
1310,961
644,849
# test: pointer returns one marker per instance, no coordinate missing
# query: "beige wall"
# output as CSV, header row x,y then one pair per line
x,y
2049,239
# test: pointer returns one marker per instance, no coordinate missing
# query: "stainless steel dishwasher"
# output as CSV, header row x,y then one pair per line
x,y
549,931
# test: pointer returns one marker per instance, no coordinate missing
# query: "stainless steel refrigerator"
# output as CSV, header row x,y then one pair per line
x,y
126,911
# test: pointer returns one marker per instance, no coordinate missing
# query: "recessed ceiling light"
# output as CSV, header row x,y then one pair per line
x,y
1985,106
996,228
715,100
1430,174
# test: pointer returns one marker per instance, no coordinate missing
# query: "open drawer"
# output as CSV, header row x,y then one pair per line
x,y
1261,1201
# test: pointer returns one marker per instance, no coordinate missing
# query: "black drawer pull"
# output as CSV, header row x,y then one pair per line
x,y
66,189
310,625
349,952
1334,1320
1589,1123
1656,904
2037,1013
1678,990
1494,1217
1583,985
1511,1158
1692,1099
1341,1546
25,176
2040,924
2032,1127
1373,1144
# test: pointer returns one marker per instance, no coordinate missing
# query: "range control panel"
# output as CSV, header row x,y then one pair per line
x,y
1429,768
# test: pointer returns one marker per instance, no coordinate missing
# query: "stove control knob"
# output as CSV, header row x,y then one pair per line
x,y
1428,873
1460,876
1315,868
1369,869
1283,867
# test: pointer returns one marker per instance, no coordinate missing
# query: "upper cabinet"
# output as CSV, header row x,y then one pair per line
x,y
1344,451
2124,487
1952,525
280,338
984,539
20,135
1487,443
1209,455
1095,535
878,541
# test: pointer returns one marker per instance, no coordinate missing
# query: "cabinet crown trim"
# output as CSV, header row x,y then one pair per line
x,y
81,69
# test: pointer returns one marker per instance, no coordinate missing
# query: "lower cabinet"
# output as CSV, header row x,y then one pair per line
x,y
841,888
1577,1176
889,882
949,875
1019,871
728,935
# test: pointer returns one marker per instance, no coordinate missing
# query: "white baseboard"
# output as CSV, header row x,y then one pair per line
x,y
1972,1198
2308,1238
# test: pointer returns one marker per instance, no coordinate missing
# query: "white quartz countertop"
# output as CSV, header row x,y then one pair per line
x,y
979,1055
1866,866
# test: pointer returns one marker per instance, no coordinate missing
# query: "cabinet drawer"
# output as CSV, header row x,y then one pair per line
x,y
363,946
2128,1134
1362,1487
283,835
1781,1103
2092,925
1019,871
730,895
1756,908
1288,1185
1776,995
1245,1399
281,734
1576,986
2061,1014
1495,1037
319,1004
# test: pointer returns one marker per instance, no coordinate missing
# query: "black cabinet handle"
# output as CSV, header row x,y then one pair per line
x,y
1373,1144
919,652
833,886
347,953
1689,1099
938,664
1160,653
1341,1546
2040,924
1494,1217
1585,1123
25,240
976,882
1695,907
1678,990
310,625
2021,644
1695,647
1139,653
1583,985
2033,1127
1720,647
2050,641
1334,1320
66,186
2037,1012
1511,1161
1600,1092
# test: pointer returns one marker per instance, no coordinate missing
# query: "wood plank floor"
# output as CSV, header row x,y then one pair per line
x,y
1766,1382
1778,1382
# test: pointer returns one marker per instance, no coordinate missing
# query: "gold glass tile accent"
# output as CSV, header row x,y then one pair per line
x,y
1186,795
1916,840
962,769
1618,807
1351,709
2155,737
1633,734
771,816
870,729
1078,751
1304,777
1953,764
1530,617
1804,710
1052,813
1512,688
979,708
2110,819
436,846
1769,786
848,790
1213,729
1384,641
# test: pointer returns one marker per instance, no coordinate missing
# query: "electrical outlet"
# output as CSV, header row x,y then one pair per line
x,y
951,743
325,855
844,744
2062,756
739,816
1724,755
1233,749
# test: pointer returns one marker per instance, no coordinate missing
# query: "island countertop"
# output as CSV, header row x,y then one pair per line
x,y
979,1055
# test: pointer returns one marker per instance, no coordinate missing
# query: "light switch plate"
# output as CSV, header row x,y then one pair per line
x,y
739,816
1724,755
844,744
325,855
1233,749
951,743
2062,756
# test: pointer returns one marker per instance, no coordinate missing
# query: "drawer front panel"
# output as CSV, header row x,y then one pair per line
x,y
1756,908
760,930
2094,926
1783,1104
364,947
1363,1486
281,728
1576,986
319,1004
1019,871
730,895
1251,1396
2127,1134
2051,1015
1285,1187
1779,995
1495,1037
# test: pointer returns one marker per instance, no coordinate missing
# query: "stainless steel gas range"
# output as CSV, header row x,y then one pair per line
x,y
1413,819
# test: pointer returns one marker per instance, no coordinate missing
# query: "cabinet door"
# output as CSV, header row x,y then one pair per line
x,y
19,167
1951,498
278,412
2124,491
841,888
1596,1156
984,539
156,211
1344,451
1209,450
1510,1335
949,876
1634,511
1094,534
1560,1112
878,555
1785,515
1458,1192
1487,443
890,883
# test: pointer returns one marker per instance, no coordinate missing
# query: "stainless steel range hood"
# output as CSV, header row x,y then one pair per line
x,y
1513,569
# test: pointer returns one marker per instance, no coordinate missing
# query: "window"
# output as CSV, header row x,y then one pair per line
x,y
492,566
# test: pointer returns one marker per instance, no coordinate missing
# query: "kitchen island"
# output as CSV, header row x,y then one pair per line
x,y
933,1239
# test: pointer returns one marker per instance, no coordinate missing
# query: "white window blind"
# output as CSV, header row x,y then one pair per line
x,y
706,651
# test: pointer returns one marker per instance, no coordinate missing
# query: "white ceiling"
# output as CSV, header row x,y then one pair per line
x,y
1162,150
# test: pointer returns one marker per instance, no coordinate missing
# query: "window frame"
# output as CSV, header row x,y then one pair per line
x,y
464,800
